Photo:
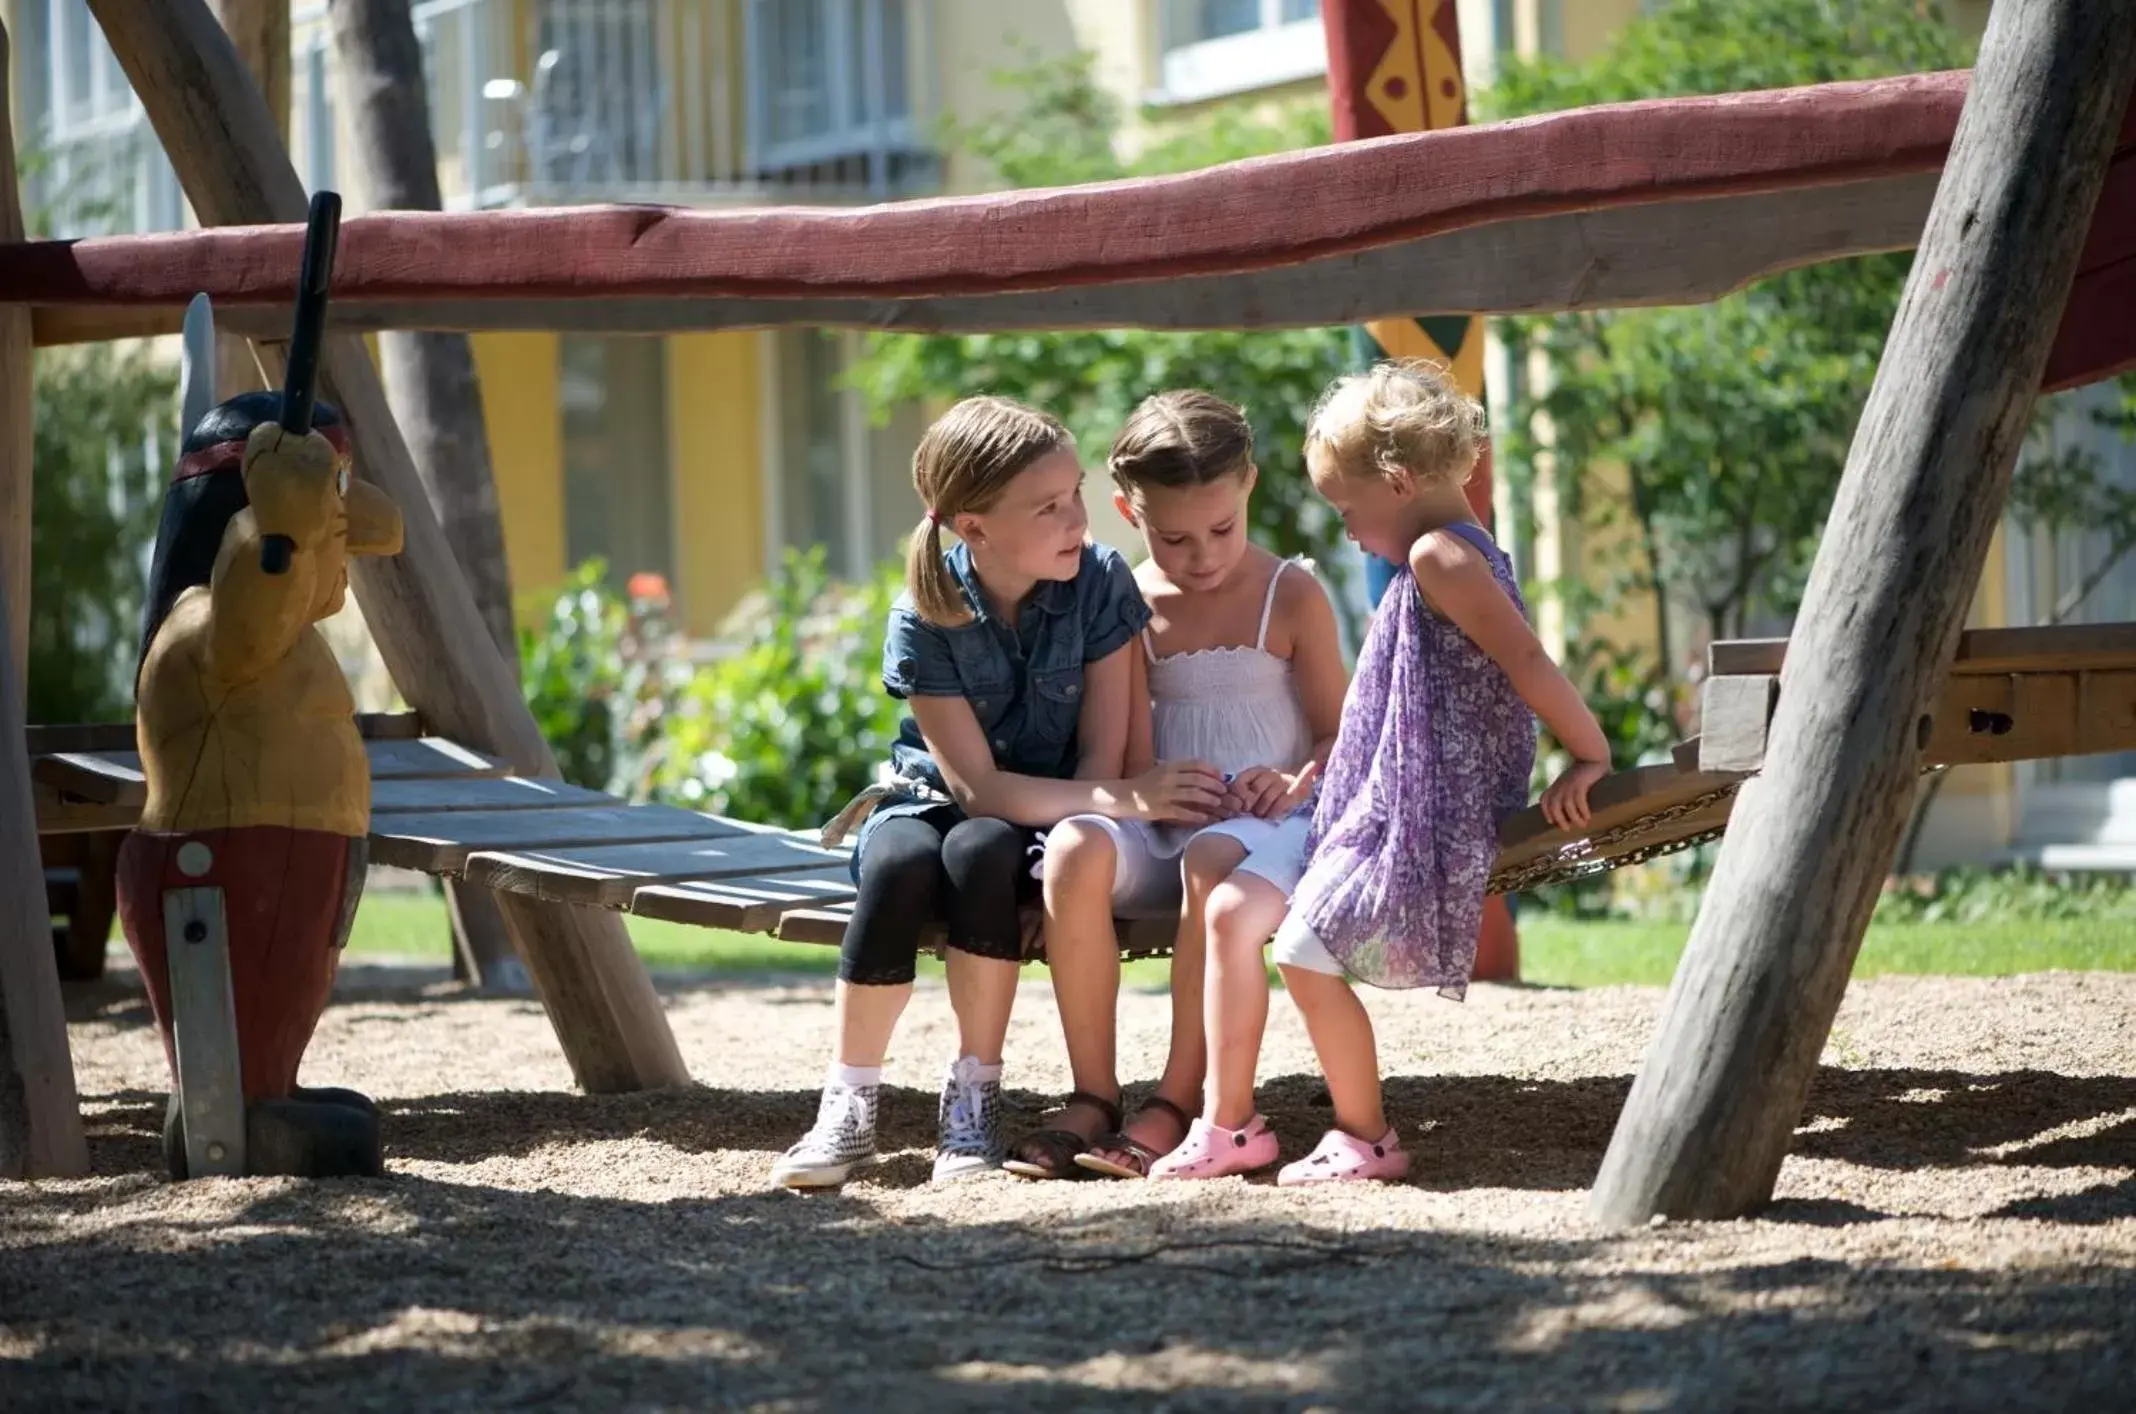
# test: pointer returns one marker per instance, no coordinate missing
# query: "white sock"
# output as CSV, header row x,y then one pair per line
x,y
982,1073
856,1077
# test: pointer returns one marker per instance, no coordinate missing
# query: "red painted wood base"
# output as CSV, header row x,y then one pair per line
x,y
284,897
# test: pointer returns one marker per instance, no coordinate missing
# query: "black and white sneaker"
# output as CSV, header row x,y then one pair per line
x,y
970,1118
839,1144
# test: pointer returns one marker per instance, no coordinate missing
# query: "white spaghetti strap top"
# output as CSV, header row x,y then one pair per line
x,y
1233,707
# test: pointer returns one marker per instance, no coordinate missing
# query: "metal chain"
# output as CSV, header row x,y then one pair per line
x,y
1591,856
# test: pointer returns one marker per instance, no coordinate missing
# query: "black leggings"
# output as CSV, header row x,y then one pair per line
x,y
936,867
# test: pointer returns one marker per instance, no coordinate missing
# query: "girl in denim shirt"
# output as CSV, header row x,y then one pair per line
x,y
1013,649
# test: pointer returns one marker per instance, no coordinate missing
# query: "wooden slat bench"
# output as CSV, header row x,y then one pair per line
x,y
446,811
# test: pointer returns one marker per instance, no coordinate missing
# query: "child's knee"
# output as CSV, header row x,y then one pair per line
x,y
1210,860
1239,917
1080,855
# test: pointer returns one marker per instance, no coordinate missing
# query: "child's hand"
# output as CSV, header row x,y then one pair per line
x,y
1565,803
1179,792
1271,794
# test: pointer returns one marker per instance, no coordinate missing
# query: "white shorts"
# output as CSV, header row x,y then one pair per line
x,y
1275,851
1146,878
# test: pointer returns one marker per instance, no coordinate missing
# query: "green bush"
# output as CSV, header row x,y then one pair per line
x,y
794,722
103,416
572,671
783,727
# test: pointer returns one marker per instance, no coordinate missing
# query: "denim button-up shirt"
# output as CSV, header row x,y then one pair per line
x,y
1024,681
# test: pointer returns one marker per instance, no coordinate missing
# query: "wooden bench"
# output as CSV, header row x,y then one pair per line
x,y
441,809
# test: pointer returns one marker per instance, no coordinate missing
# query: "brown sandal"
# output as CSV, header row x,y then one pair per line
x,y
1056,1150
1140,1156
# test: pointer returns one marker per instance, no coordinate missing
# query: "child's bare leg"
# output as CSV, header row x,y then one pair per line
x,y
1342,1037
1083,956
1244,912
1209,861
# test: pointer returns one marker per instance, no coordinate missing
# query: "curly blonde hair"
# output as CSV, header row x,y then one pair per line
x,y
1406,416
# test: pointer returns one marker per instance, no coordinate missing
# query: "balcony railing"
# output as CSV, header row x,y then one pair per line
x,y
542,102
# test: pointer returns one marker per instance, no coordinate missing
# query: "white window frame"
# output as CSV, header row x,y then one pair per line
x,y
854,70
1278,51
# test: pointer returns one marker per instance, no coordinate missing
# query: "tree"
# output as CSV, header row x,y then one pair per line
x,y
1730,421
104,415
1067,130
430,376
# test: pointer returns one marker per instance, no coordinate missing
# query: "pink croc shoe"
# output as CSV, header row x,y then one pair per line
x,y
1209,1151
1345,1158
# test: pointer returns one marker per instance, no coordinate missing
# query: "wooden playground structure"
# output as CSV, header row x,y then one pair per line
x,y
2015,184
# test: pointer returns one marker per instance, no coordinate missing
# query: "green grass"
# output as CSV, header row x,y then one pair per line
x,y
1554,951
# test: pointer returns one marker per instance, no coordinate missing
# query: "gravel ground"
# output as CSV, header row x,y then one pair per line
x,y
1957,1228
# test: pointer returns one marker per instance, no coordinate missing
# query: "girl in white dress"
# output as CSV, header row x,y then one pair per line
x,y
1244,676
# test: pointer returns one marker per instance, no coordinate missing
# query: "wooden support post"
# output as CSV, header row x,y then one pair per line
x,y
40,1120
1716,1102
17,434
259,31
220,138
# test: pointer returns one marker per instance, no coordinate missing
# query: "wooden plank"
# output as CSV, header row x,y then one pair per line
x,y
211,1091
1978,718
57,813
439,843
1980,650
429,758
1714,1108
1733,714
608,875
40,1119
220,136
753,904
103,779
105,738
393,798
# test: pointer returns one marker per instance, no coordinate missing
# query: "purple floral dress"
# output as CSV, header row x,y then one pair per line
x,y
1435,749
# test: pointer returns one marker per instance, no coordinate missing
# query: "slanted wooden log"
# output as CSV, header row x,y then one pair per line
x,y
17,436
1717,1099
40,1119
259,31
222,141
431,383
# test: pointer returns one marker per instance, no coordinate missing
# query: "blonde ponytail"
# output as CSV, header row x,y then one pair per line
x,y
934,589
962,465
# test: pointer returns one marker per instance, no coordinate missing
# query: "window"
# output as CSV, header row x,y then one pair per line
x,y
101,169
617,499
838,481
830,83
1218,47
812,478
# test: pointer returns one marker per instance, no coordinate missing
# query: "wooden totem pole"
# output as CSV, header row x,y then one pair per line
x,y
237,889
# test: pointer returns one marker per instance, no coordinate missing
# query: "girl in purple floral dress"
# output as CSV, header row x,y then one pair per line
x,y
1435,749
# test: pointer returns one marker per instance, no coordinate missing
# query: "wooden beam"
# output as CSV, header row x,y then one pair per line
x,y
17,399
1978,718
1279,210
40,1117
2069,647
1710,1117
259,32
221,139
1673,253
